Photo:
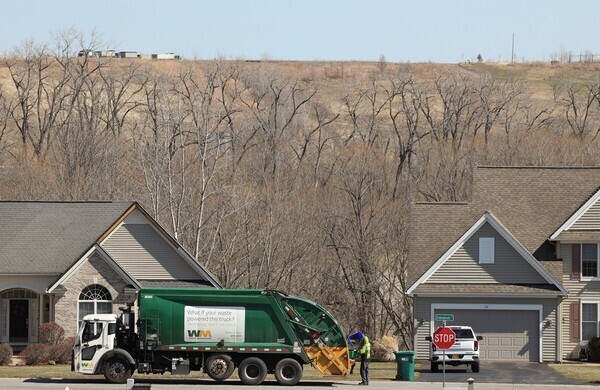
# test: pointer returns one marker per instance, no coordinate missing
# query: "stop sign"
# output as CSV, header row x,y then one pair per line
x,y
444,337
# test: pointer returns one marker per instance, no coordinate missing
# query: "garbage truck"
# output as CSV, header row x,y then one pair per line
x,y
179,330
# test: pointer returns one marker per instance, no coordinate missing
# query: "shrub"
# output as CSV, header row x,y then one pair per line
x,y
6,353
36,354
384,349
61,352
594,349
51,333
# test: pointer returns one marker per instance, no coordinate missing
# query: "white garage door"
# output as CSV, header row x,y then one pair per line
x,y
507,334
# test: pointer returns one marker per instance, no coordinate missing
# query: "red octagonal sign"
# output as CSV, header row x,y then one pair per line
x,y
444,337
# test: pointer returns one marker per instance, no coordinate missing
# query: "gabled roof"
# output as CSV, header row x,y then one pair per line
x,y
182,252
576,215
51,237
434,227
48,237
531,203
487,217
58,284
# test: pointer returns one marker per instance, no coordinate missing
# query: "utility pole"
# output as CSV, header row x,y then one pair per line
x,y
512,55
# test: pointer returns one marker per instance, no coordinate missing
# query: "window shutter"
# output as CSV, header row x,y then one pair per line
x,y
576,261
575,337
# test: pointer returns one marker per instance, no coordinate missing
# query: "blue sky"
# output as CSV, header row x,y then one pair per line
x,y
415,31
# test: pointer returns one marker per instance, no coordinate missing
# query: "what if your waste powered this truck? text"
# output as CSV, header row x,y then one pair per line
x,y
214,330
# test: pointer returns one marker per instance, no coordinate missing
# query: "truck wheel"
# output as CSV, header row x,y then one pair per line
x,y
117,370
475,367
288,372
434,367
219,367
252,371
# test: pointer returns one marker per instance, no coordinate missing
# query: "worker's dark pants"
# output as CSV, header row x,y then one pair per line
x,y
364,372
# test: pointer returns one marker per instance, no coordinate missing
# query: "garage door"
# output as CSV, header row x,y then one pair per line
x,y
507,334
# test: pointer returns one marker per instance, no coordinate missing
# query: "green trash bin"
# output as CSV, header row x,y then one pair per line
x,y
405,365
352,354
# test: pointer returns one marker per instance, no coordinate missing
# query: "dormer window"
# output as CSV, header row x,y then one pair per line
x,y
486,250
589,260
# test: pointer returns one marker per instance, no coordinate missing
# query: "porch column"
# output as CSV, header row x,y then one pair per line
x,y
51,310
41,316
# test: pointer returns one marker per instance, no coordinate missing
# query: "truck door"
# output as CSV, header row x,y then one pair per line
x,y
88,349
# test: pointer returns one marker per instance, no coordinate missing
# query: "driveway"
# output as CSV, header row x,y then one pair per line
x,y
500,372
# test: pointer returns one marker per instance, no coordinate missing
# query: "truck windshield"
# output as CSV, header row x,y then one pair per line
x,y
91,331
463,333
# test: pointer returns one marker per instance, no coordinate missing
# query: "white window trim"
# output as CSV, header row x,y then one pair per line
x,y
493,306
482,244
95,305
589,278
589,302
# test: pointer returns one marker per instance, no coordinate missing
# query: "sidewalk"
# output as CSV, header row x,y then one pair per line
x,y
488,386
60,384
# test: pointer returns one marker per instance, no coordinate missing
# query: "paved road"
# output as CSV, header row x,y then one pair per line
x,y
501,376
500,372
76,384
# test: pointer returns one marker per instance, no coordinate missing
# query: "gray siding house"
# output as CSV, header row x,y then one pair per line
x,y
62,260
519,263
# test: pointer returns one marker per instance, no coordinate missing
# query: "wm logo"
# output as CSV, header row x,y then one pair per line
x,y
200,333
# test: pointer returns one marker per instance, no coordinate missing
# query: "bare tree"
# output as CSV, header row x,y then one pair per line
x,y
404,100
582,108
275,103
460,115
47,82
6,107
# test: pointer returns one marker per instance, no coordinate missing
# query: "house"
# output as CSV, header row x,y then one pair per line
x,y
519,262
107,53
88,53
164,56
127,54
62,260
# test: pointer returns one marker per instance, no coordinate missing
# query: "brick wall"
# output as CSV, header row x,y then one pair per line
x,y
93,271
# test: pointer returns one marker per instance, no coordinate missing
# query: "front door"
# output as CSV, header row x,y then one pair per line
x,y
18,326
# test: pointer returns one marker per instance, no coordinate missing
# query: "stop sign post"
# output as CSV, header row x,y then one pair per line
x,y
444,338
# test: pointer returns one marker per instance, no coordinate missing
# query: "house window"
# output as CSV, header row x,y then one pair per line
x,y
589,260
589,320
486,250
94,299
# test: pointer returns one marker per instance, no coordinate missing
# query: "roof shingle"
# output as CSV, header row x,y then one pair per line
x,y
48,237
530,202
487,288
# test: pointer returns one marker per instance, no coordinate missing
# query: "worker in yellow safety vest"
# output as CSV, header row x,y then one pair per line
x,y
365,358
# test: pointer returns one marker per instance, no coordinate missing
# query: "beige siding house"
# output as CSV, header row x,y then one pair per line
x,y
519,263
62,260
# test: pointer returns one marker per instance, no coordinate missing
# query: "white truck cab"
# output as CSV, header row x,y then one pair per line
x,y
464,351
95,352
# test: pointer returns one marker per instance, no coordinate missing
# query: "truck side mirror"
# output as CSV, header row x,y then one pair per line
x,y
479,338
428,338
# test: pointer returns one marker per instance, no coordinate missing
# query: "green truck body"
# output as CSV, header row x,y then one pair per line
x,y
257,331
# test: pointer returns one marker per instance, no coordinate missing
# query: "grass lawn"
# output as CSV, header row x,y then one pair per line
x,y
377,371
579,372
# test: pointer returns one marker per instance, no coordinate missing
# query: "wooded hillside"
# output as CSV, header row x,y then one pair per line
x,y
295,176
